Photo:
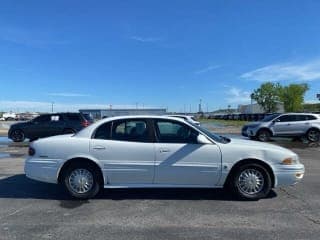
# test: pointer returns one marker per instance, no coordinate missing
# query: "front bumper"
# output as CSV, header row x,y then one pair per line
x,y
44,170
289,175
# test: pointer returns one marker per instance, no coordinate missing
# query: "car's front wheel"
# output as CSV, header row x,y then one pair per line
x,y
17,135
251,181
81,181
263,135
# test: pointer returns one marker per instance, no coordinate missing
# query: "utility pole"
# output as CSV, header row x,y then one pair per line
x,y
52,103
251,105
200,106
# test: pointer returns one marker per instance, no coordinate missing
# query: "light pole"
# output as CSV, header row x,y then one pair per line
x,y
52,103
251,105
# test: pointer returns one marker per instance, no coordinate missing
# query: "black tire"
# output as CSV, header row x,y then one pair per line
x,y
69,131
239,188
17,135
93,181
313,135
263,135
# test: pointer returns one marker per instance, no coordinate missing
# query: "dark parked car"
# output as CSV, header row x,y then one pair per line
x,y
49,125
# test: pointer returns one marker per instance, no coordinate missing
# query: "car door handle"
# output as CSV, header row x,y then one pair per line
x,y
164,150
99,147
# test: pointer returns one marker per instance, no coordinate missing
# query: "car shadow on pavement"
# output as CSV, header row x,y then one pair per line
x,y
20,187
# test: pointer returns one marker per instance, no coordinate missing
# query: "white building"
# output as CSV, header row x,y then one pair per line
x,y
104,113
256,108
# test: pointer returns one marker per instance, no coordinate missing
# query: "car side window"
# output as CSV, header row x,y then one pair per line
x,y
43,119
175,132
287,118
310,117
103,131
130,130
73,117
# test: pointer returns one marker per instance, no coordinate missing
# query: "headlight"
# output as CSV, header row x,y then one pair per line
x,y
289,161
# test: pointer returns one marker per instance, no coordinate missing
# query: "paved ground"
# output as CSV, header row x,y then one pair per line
x,y
34,210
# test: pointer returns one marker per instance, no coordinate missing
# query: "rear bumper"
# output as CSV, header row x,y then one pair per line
x,y
289,175
44,170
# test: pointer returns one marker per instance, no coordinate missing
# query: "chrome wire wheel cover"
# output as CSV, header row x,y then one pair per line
x,y
250,181
81,180
313,135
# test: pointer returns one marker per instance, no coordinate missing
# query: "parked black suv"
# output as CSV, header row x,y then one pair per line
x,y
49,125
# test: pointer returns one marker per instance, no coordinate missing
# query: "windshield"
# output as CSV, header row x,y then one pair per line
x,y
270,117
215,137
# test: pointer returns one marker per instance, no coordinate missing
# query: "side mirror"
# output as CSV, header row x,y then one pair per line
x,y
275,121
203,140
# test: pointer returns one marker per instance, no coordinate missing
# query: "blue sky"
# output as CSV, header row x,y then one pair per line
x,y
155,53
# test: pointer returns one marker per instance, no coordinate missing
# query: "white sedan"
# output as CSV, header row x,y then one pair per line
x,y
159,152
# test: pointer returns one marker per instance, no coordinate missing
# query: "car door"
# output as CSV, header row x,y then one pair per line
x,y
285,125
55,126
126,150
304,123
180,159
39,127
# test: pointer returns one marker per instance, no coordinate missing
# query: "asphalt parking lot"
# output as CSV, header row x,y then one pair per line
x,y
34,210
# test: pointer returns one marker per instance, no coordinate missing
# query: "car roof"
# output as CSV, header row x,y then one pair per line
x,y
314,114
179,115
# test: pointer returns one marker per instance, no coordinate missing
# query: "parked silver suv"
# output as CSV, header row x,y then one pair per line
x,y
284,125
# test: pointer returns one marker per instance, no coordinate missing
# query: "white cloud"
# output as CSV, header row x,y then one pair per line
x,y
308,71
145,39
207,69
237,96
68,94
33,106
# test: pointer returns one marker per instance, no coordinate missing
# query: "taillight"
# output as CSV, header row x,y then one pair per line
x,y
31,151
85,123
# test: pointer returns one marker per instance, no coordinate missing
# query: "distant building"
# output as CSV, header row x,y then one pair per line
x,y
256,108
104,113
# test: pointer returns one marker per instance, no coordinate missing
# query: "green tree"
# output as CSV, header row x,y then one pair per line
x,y
267,96
292,96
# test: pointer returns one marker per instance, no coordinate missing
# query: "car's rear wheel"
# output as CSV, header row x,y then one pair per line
x,y
313,135
81,181
17,135
251,181
263,135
